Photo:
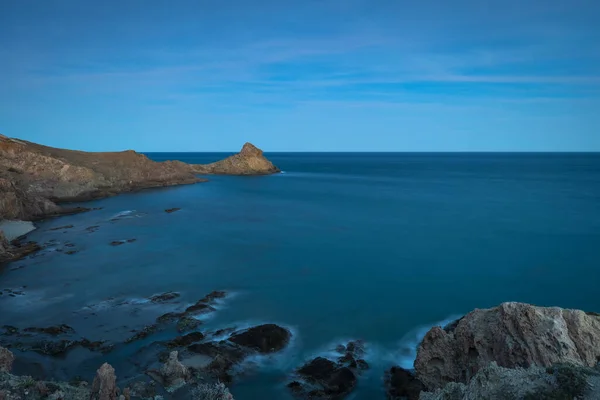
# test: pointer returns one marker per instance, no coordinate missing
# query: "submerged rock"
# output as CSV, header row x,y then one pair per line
x,y
163,297
172,210
58,228
512,335
52,330
185,320
183,341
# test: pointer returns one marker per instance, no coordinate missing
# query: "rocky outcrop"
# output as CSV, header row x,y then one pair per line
x,y
173,374
512,335
104,386
34,178
6,360
249,161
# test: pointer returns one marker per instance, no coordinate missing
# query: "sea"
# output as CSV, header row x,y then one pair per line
x,y
339,246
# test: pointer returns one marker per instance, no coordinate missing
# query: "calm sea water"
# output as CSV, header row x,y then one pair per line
x,y
377,247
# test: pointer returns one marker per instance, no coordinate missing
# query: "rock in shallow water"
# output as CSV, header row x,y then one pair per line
x,y
322,378
266,338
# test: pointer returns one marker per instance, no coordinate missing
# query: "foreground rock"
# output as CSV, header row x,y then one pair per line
x,y
173,374
322,378
104,386
249,161
512,335
562,381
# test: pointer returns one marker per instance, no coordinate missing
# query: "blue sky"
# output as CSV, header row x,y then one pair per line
x,y
310,75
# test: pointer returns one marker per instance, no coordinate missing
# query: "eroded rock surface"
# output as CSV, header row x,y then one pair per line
x,y
104,386
512,335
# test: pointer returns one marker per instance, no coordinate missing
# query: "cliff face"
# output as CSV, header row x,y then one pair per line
x,y
249,161
512,335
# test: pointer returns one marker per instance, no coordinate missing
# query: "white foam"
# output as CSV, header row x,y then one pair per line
x,y
126,215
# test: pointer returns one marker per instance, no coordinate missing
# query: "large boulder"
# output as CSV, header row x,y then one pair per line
x,y
512,335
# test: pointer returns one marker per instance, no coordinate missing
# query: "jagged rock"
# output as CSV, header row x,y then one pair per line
x,y
266,338
513,335
6,360
402,384
104,386
173,374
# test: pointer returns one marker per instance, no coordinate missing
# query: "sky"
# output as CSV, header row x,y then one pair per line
x,y
306,75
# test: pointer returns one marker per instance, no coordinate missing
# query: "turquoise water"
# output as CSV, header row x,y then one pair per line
x,y
377,247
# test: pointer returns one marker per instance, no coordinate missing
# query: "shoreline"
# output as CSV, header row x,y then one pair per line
x,y
16,229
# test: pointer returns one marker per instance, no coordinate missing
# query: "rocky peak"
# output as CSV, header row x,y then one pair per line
x,y
251,150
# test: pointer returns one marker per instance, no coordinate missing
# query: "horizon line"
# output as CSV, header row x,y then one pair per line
x,y
391,152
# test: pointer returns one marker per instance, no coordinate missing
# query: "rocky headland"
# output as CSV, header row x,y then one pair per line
x,y
36,179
